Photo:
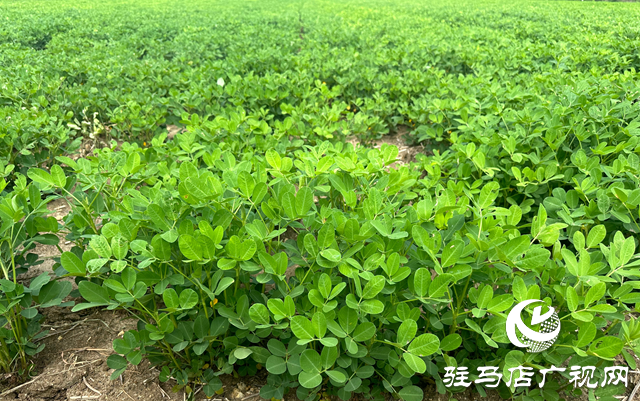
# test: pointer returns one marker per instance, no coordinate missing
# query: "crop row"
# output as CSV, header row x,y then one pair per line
x,y
258,239
315,71
326,267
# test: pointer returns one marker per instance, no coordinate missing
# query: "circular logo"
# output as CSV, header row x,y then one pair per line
x,y
540,334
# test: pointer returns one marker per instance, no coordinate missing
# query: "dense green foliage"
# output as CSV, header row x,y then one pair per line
x,y
198,249
259,239
481,68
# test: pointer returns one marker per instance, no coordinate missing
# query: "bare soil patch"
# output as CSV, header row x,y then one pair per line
x,y
406,153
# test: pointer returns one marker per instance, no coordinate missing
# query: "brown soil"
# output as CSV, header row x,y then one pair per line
x,y
173,130
406,153
88,145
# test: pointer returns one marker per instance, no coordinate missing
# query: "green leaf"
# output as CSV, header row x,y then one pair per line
x,y
188,299
189,247
353,384
414,362
603,308
336,376
246,183
516,247
424,345
259,314
337,290
519,289
324,285
58,177
83,306
223,284
348,319
118,266
452,252
324,164
226,264
451,342
331,254
329,356
607,346
101,246
421,281
259,192
170,236
170,298
119,247
373,287
277,348
595,293
304,201
116,362
240,250
115,285
586,334
326,236
382,228
372,306
276,365
364,332
302,327
319,323
582,316
534,259
627,250
274,159
316,299
269,262
157,216
420,236
329,342
309,380
29,313
486,295
201,326
93,292
276,306
38,282
596,235
71,263
488,194
411,393
407,331
572,299
242,353
310,361
54,292
439,285
631,298
289,205
41,177
500,303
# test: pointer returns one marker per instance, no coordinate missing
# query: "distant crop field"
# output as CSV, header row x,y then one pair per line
x,y
308,69
319,200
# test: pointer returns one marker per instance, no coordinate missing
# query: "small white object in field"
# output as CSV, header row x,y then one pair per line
x,y
220,82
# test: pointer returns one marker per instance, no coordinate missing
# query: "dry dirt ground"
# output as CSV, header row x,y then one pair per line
x,y
73,364
406,153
